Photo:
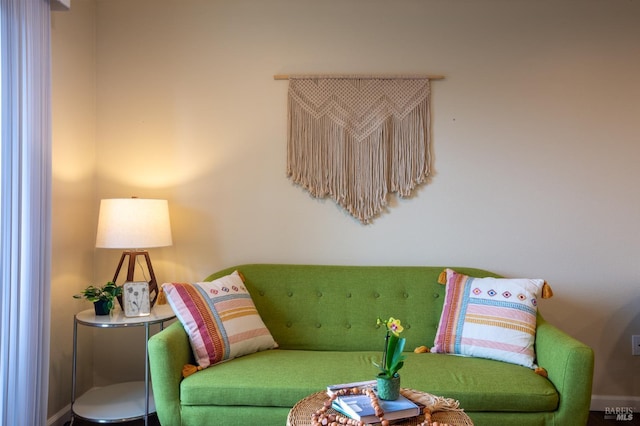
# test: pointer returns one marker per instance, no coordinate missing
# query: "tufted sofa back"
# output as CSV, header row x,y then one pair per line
x,y
324,307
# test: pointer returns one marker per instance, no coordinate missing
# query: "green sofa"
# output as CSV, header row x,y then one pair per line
x,y
324,320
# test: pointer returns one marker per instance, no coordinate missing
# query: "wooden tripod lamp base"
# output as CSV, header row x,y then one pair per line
x,y
132,255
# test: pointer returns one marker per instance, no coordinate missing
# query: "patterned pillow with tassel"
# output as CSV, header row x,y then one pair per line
x,y
220,318
491,318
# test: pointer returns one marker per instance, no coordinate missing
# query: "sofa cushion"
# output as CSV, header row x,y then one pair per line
x,y
491,318
220,318
283,377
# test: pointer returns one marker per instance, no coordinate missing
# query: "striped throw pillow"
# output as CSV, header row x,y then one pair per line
x,y
491,318
220,318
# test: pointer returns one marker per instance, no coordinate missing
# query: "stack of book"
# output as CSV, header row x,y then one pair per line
x,y
358,407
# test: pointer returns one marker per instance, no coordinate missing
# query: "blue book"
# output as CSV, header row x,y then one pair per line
x,y
359,407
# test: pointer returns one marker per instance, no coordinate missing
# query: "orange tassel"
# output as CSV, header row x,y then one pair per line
x,y
547,293
241,276
442,278
162,298
189,369
541,372
422,350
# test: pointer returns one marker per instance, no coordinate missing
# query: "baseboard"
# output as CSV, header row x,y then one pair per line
x,y
61,417
611,402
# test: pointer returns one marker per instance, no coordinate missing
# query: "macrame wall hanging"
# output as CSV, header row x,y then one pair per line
x,y
358,138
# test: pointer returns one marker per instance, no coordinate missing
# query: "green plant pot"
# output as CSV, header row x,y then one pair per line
x,y
388,389
101,307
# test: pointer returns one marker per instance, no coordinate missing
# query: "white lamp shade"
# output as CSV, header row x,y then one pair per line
x,y
133,223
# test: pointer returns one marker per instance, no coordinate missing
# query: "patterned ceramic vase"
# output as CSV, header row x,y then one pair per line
x,y
388,389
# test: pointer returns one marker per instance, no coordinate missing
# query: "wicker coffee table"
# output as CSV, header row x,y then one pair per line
x,y
442,410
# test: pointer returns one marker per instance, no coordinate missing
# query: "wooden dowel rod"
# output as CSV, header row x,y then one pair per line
x,y
430,77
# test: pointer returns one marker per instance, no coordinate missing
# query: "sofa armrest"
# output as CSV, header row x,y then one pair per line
x,y
169,351
569,364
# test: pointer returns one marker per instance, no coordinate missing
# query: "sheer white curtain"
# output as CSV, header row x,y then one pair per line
x,y
25,211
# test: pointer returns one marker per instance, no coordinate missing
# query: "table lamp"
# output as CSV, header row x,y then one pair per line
x,y
134,224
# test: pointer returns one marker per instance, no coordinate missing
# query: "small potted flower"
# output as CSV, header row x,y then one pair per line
x,y
102,297
388,380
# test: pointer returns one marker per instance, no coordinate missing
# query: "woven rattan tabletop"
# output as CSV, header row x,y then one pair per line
x,y
443,411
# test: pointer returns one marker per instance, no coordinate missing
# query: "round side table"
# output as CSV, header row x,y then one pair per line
x,y
120,402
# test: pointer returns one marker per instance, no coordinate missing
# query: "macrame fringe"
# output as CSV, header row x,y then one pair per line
x,y
432,402
357,164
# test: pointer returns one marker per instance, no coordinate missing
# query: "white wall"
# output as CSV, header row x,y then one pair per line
x,y
535,133
74,212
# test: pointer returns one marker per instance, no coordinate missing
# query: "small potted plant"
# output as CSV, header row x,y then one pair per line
x,y
102,297
388,380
